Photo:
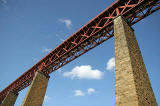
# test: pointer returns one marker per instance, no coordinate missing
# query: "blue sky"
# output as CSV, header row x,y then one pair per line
x,y
29,29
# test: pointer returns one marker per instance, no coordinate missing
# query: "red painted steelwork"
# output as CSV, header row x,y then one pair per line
x,y
98,30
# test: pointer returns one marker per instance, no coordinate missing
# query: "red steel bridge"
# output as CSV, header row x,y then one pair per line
x,y
95,32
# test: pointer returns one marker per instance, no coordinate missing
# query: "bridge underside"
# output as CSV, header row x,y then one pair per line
x,y
89,36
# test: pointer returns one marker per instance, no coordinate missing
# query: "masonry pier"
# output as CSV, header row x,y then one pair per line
x,y
37,90
132,84
10,99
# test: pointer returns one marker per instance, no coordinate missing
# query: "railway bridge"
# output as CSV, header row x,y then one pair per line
x,y
132,84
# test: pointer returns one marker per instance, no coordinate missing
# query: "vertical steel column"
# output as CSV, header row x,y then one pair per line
x,y
132,86
37,90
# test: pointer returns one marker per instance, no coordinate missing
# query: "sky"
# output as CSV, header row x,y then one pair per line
x,y
29,29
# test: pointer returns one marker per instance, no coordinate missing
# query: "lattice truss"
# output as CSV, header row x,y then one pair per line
x,y
89,36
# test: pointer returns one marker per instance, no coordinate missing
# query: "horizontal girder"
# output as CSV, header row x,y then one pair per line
x,y
96,31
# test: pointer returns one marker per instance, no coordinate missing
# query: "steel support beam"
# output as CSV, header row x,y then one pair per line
x,y
95,32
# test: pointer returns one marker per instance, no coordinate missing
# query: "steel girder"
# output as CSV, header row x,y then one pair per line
x,y
96,31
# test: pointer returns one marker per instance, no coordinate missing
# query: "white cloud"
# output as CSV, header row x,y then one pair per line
x,y
35,59
111,64
67,22
46,50
84,72
47,98
90,90
78,93
81,93
59,70
58,36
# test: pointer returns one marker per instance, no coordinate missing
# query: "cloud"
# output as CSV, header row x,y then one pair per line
x,y
4,4
58,36
111,64
67,22
4,1
84,72
78,93
90,90
46,50
81,93
59,70
35,59
47,98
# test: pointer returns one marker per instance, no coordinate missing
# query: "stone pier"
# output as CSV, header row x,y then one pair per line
x,y
37,90
132,84
10,99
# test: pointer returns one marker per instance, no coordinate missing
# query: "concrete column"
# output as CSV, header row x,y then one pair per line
x,y
10,99
37,90
132,84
